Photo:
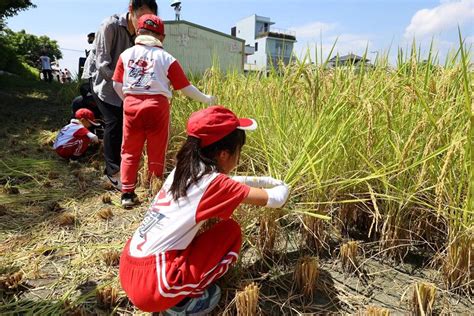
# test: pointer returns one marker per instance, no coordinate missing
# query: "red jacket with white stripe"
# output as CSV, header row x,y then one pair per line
x,y
172,225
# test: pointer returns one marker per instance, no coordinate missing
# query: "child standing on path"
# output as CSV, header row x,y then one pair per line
x,y
142,78
74,138
166,267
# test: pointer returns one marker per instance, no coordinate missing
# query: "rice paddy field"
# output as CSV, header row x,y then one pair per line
x,y
379,221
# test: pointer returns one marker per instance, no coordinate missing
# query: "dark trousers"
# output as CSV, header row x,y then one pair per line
x,y
113,119
47,75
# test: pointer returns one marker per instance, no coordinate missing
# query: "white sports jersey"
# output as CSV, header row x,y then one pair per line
x,y
69,133
170,224
150,70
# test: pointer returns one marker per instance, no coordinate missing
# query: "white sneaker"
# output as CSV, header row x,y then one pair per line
x,y
115,180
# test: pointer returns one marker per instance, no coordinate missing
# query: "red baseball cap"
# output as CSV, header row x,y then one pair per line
x,y
214,123
152,23
86,114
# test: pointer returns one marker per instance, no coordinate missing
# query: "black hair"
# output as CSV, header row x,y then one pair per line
x,y
151,4
193,162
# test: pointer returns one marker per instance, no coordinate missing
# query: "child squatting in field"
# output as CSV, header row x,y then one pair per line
x,y
142,78
167,266
74,138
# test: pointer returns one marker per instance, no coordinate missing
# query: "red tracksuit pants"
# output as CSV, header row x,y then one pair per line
x,y
75,148
146,118
158,282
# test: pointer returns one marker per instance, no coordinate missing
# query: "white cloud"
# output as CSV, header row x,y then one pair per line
x,y
445,16
313,29
343,44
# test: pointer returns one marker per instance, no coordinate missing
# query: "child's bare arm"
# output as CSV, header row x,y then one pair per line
x,y
118,89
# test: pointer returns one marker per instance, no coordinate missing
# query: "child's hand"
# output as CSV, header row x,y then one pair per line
x,y
94,139
278,195
258,182
212,100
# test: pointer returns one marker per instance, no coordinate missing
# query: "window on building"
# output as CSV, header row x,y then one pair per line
x,y
256,46
279,48
233,31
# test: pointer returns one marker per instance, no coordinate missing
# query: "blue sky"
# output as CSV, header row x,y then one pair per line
x,y
378,24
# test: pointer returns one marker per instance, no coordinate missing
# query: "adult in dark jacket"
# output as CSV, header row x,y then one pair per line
x,y
116,34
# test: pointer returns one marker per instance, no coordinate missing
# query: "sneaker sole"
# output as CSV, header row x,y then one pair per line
x,y
216,299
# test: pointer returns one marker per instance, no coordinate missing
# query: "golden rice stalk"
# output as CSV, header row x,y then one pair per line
x,y
348,255
439,189
155,185
267,233
107,297
66,219
11,282
247,300
376,311
315,233
105,213
111,258
47,138
424,295
306,275
458,265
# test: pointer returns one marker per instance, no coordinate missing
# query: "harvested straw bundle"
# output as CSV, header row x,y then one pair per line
x,y
105,213
348,255
11,282
111,258
107,297
306,275
66,219
247,300
376,311
424,295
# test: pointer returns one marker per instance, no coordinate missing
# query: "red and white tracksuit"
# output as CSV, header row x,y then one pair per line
x,y
165,261
146,73
72,140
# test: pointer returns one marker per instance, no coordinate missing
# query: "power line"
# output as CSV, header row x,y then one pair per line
x,y
72,50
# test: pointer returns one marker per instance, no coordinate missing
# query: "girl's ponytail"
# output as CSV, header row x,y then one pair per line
x,y
193,162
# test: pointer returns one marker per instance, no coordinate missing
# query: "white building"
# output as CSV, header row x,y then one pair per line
x,y
265,46
198,48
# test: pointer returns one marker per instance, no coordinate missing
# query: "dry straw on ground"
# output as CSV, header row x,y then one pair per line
x,y
247,300
306,275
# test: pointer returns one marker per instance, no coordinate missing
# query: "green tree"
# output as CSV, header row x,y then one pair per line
x,y
10,8
30,47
